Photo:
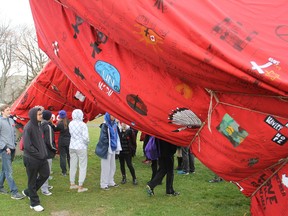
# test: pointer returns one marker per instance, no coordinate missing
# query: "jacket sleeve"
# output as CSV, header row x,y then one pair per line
x,y
85,134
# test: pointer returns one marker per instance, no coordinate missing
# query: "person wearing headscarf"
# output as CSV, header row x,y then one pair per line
x,y
78,149
107,147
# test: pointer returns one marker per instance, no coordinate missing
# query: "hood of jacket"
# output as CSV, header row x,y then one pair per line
x,y
33,115
77,114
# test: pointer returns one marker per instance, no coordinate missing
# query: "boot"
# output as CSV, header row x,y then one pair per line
x,y
179,167
123,180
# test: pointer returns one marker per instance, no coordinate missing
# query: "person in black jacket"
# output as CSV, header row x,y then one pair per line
x,y
49,139
35,157
166,167
63,141
128,145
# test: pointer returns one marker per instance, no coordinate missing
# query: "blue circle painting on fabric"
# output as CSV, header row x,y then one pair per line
x,y
109,74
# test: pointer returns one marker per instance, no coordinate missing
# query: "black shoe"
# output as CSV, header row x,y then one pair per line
x,y
123,180
175,193
135,182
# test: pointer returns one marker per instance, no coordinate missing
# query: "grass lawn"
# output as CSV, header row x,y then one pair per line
x,y
198,197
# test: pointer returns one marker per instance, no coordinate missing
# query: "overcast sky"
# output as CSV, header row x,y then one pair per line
x,y
15,12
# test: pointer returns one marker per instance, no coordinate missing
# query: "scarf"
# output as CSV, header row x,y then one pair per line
x,y
112,130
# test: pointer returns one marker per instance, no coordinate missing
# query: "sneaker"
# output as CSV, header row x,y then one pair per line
x,y
115,185
135,182
74,187
50,178
173,194
215,180
37,208
17,196
46,193
150,191
25,195
3,191
81,189
50,187
106,188
181,172
64,174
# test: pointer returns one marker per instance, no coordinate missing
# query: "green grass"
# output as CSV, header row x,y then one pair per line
x,y
198,197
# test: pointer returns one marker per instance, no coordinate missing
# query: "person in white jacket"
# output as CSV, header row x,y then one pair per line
x,y
78,149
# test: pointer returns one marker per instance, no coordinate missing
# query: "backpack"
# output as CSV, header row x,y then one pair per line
x,y
151,149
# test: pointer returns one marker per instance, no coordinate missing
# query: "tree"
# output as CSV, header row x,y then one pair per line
x,y
20,60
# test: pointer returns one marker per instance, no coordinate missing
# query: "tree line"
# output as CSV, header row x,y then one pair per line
x,y
20,60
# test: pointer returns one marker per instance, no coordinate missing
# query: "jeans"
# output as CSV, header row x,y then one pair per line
x,y
7,172
188,160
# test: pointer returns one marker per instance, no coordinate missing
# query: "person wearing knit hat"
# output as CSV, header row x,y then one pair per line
x,y
62,114
63,141
46,115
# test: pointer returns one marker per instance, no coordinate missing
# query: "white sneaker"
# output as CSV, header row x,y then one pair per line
x,y
73,186
37,208
46,193
82,190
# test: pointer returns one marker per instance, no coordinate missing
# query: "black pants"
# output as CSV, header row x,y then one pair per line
x,y
64,156
128,159
166,167
37,172
154,167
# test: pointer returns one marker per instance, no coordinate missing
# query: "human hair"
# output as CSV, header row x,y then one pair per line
x,y
3,107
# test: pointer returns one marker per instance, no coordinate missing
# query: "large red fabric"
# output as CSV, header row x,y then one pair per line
x,y
209,74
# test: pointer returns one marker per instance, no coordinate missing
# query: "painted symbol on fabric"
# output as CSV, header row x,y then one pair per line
x,y
271,63
109,74
159,4
78,73
184,117
234,33
232,130
55,88
252,161
103,87
75,26
79,96
282,32
150,37
100,39
137,104
285,180
184,90
55,46
281,136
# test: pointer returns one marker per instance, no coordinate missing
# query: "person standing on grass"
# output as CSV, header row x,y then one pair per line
x,y
78,149
166,167
35,157
7,152
49,139
63,141
107,148
128,145
187,161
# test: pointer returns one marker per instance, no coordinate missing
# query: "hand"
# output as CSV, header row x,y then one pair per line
x,y
8,151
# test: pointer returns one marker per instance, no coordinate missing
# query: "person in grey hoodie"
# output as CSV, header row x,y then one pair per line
x,y
7,152
35,157
78,149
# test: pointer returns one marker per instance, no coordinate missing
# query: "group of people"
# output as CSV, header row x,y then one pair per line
x,y
116,141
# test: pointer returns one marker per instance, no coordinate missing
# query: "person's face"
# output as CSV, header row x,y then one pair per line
x,y
6,113
39,116
123,125
112,118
